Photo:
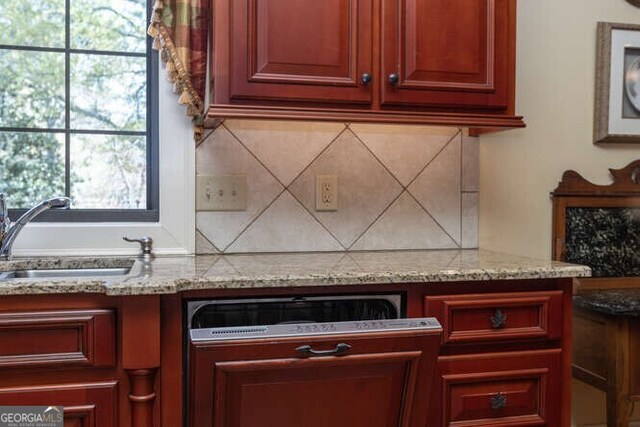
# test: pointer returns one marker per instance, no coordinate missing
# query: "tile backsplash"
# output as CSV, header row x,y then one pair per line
x,y
399,187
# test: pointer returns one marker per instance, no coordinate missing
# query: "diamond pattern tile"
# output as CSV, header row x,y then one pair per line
x,y
405,225
470,163
222,154
437,188
285,227
285,148
470,235
365,187
203,245
438,165
404,150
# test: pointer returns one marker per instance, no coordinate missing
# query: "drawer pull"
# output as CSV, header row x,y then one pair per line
x,y
499,319
498,401
307,350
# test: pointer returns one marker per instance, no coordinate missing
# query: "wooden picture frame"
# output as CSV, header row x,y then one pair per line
x,y
617,111
574,191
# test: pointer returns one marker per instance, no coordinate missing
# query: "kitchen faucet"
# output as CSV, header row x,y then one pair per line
x,y
9,231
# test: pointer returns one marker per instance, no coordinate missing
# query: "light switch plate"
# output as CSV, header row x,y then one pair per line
x,y
221,193
326,192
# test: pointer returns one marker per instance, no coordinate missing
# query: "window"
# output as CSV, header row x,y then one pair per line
x,y
78,108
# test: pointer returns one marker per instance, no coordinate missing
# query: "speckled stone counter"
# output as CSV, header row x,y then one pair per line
x,y
172,274
616,302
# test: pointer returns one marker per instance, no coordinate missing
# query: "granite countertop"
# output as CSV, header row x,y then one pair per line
x,y
617,302
171,274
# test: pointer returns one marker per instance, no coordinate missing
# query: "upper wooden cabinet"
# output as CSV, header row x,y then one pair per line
x,y
448,53
447,62
302,50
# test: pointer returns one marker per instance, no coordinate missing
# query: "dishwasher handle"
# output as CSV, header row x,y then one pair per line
x,y
307,350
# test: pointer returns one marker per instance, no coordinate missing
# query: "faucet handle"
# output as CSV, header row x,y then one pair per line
x,y
146,247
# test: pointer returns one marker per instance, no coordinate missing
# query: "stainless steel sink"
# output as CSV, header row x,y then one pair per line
x,y
65,272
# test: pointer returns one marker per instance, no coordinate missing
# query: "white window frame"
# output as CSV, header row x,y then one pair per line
x,y
175,231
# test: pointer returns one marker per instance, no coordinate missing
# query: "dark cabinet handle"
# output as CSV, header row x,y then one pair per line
x,y
394,79
366,78
307,350
498,401
499,319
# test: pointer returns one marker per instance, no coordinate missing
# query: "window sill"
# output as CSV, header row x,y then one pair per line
x,y
173,234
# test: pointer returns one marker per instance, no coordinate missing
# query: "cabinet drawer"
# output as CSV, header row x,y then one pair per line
x,y
497,317
511,389
64,338
85,404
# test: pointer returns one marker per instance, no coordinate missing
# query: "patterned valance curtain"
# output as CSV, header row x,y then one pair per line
x,y
179,31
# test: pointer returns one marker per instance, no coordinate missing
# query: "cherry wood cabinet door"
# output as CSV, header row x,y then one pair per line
x,y
293,50
383,380
447,53
85,404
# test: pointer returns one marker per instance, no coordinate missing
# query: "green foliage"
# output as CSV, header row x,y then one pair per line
x,y
31,167
107,93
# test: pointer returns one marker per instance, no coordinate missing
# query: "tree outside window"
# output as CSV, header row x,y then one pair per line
x,y
75,103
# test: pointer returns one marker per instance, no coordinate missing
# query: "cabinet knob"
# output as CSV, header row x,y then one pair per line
x,y
366,78
499,319
498,401
394,79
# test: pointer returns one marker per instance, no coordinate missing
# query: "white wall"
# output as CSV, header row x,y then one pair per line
x,y
555,93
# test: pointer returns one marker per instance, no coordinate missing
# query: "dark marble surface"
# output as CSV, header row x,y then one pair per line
x,y
605,239
617,302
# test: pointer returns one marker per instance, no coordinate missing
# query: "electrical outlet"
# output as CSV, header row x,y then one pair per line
x,y
221,193
326,192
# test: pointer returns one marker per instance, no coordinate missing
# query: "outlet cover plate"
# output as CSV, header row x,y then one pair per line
x,y
326,192
221,193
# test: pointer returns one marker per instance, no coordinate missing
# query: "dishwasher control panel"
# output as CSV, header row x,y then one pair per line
x,y
312,329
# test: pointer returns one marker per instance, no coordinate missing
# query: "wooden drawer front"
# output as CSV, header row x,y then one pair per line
x,y
513,390
85,405
73,337
497,317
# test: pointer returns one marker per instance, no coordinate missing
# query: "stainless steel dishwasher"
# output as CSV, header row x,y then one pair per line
x,y
317,361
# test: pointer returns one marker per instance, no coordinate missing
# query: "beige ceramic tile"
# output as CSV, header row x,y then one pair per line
x,y
204,246
221,267
222,154
285,227
470,163
405,225
404,149
294,264
438,188
285,148
365,188
470,220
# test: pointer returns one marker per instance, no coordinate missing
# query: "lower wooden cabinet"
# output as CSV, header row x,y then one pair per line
x,y
498,389
85,404
383,380
503,359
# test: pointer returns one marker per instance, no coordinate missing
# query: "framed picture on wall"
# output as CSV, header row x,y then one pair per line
x,y
617,107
